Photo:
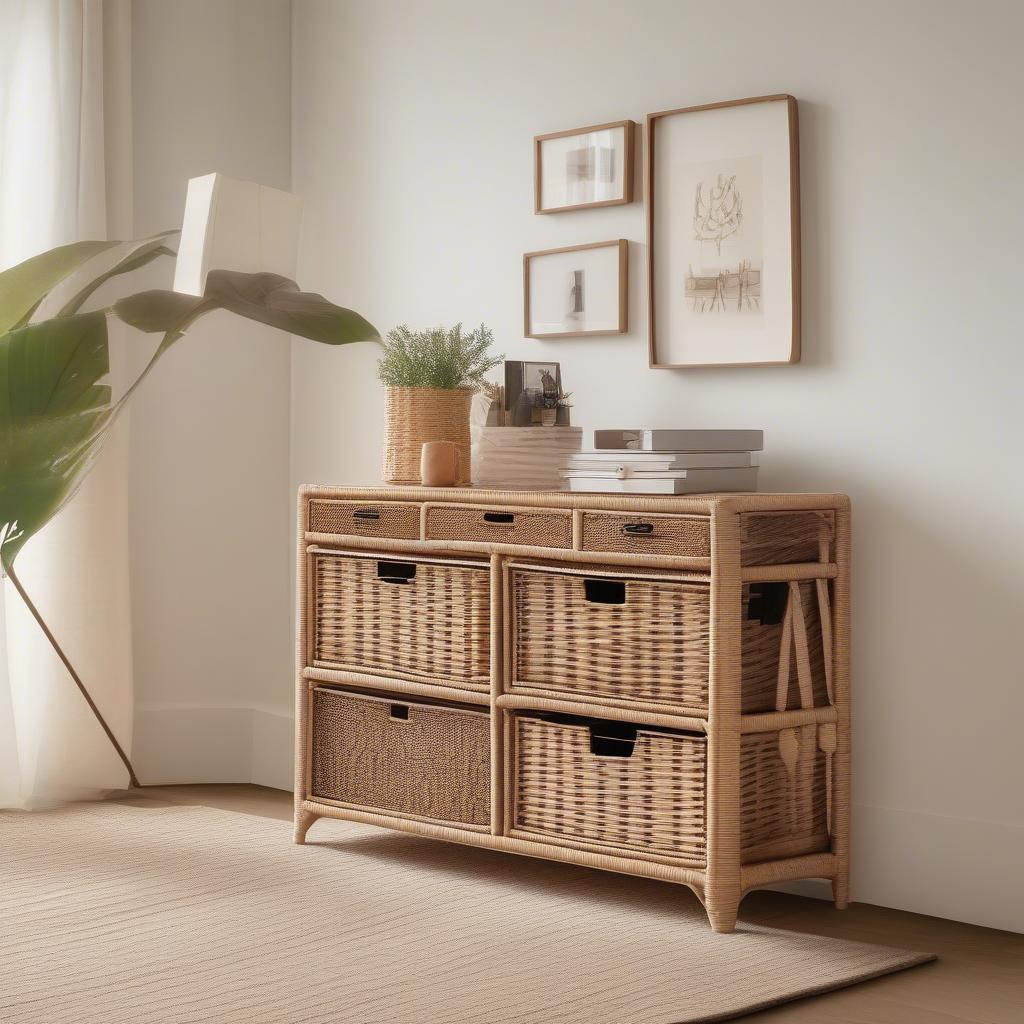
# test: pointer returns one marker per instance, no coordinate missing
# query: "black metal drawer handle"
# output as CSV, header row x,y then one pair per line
x,y
638,529
366,513
396,572
613,739
604,591
506,518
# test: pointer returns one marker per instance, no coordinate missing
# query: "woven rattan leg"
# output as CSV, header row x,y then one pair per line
x,y
841,892
722,891
722,918
303,821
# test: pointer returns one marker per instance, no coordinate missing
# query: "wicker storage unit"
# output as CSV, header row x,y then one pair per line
x,y
649,534
600,634
584,782
366,519
657,686
411,759
537,528
420,620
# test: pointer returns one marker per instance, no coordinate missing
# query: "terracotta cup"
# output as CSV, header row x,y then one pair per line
x,y
439,464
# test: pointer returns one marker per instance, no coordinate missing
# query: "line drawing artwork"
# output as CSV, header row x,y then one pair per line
x,y
724,266
717,211
738,290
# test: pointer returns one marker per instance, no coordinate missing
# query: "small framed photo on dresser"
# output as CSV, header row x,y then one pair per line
x,y
584,167
576,291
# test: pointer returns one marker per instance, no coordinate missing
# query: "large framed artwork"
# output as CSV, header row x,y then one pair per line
x,y
723,234
576,291
584,167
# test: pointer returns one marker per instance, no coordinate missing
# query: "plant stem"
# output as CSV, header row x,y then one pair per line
x,y
74,675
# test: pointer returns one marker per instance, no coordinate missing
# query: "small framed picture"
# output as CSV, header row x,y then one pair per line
x,y
576,291
723,234
531,389
584,167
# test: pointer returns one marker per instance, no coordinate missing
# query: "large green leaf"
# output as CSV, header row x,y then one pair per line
x,y
55,407
24,286
140,254
53,412
268,298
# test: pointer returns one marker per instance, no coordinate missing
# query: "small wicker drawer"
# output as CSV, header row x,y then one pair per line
x,y
422,620
397,520
542,528
647,534
608,785
600,635
777,538
604,784
408,759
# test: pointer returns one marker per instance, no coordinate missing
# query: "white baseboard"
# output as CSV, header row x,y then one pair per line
x,y
198,743
962,869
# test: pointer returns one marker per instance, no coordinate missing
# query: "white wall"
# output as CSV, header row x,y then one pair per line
x,y
412,126
211,505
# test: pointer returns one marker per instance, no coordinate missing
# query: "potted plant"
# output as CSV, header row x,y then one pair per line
x,y
431,377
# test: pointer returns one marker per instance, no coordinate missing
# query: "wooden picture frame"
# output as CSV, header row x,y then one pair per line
x,y
783,342
620,291
628,160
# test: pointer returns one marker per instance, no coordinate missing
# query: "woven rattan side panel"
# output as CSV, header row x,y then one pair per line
x,y
415,620
763,637
365,519
654,646
784,778
646,534
434,763
774,538
651,802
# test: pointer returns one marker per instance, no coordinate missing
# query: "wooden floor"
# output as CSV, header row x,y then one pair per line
x,y
979,977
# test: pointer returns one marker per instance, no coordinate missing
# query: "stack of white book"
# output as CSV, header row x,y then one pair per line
x,y
659,461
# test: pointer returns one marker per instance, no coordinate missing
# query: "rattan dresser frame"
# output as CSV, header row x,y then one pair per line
x,y
726,878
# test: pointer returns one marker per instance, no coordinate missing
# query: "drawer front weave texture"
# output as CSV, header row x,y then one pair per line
x,y
414,620
413,759
543,528
641,534
651,802
623,639
365,519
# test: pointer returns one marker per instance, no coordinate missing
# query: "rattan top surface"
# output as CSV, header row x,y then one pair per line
x,y
697,503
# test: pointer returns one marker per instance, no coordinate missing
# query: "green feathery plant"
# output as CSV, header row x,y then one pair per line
x,y
437,358
56,402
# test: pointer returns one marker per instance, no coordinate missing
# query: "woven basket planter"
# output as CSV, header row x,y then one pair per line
x,y
418,415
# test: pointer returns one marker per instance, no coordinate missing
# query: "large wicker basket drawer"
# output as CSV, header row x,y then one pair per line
x,y
646,534
408,759
608,638
610,785
422,620
393,519
542,528
604,636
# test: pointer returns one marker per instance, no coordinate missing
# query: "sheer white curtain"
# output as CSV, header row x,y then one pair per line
x,y
64,140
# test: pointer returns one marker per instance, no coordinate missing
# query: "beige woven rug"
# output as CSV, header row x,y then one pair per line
x,y
115,913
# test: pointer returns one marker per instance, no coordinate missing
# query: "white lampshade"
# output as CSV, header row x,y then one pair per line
x,y
235,225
